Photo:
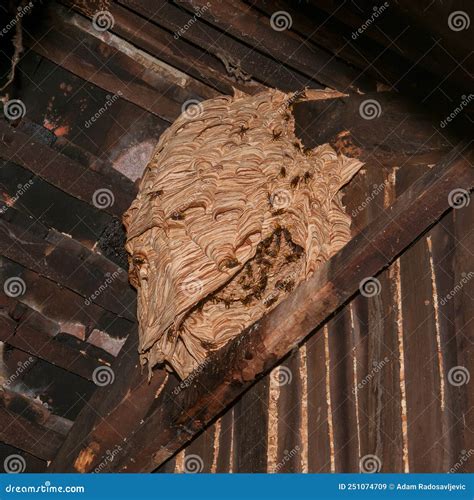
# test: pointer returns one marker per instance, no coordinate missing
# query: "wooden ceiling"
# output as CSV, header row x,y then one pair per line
x,y
94,102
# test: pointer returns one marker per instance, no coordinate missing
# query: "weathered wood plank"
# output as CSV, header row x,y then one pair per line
x,y
257,349
64,173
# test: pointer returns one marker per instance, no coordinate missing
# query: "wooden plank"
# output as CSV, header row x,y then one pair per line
x,y
259,348
199,455
250,437
9,460
113,64
341,377
425,445
241,21
29,426
233,54
224,456
74,266
319,439
163,45
64,173
463,320
67,308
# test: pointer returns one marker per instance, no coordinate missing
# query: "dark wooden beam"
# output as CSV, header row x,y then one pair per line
x,y
63,172
67,262
177,415
71,41
163,45
31,332
238,59
241,21
30,426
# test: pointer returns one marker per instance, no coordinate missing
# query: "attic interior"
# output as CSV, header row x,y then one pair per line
x,y
364,367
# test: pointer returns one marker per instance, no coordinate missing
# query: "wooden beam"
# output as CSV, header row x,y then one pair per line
x,y
237,58
30,426
63,172
71,41
162,44
72,265
243,22
178,414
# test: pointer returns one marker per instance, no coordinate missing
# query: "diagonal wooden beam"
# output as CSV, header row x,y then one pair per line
x,y
177,415
63,172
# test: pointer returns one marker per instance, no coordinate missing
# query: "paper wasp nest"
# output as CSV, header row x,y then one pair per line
x,y
231,215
